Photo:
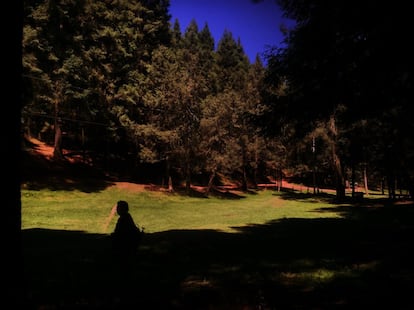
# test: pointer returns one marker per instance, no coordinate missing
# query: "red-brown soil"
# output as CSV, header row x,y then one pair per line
x,y
41,160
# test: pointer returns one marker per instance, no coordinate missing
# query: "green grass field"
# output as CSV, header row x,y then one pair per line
x,y
160,211
259,250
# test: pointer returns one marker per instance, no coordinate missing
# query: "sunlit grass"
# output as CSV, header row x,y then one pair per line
x,y
315,276
159,211
294,248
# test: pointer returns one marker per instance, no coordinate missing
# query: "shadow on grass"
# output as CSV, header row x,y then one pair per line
x,y
361,260
289,194
214,192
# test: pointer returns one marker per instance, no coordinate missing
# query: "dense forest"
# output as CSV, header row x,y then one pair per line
x,y
119,83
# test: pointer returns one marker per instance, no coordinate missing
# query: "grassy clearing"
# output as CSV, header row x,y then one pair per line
x,y
158,211
262,250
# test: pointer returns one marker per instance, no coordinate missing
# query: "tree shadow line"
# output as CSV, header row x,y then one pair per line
x,y
361,259
291,194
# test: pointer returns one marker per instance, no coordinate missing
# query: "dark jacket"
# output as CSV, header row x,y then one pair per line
x,y
125,238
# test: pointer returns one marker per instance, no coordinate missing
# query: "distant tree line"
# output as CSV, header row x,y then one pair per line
x,y
120,83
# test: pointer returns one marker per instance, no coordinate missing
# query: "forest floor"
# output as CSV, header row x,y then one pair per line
x,y
43,153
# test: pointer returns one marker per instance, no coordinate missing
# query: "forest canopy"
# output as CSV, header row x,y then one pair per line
x,y
119,82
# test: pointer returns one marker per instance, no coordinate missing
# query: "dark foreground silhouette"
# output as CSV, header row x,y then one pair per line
x,y
362,260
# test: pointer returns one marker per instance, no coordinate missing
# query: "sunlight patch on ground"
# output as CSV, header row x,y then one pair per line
x,y
319,276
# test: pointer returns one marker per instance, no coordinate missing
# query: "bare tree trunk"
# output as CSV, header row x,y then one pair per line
x,y
339,177
244,171
83,145
168,176
280,180
187,177
365,179
210,182
314,164
353,180
256,162
340,183
411,187
57,148
170,184
244,181
391,185
390,170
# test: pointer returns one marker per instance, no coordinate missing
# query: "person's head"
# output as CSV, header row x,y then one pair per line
x,y
122,207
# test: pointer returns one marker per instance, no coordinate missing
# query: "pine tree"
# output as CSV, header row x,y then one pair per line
x,y
52,62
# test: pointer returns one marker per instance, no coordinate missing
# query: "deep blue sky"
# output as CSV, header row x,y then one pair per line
x,y
256,24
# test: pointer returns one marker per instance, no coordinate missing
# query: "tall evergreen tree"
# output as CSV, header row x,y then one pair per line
x,y
177,87
232,75
219,145
251,108
176,34
87,60
336,63
232,63
122,42
207,61
52,63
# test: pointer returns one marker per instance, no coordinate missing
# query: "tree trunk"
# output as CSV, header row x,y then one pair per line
x,y
244,181
168,175
340,182
256,162
244,170
339,176
365,179
83,145
187,177
411,187
279,179
314,164
57,148
391,185
353,180
210,182
170,184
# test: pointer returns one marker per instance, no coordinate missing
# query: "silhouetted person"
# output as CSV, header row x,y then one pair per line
x,y
125,242
126,236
